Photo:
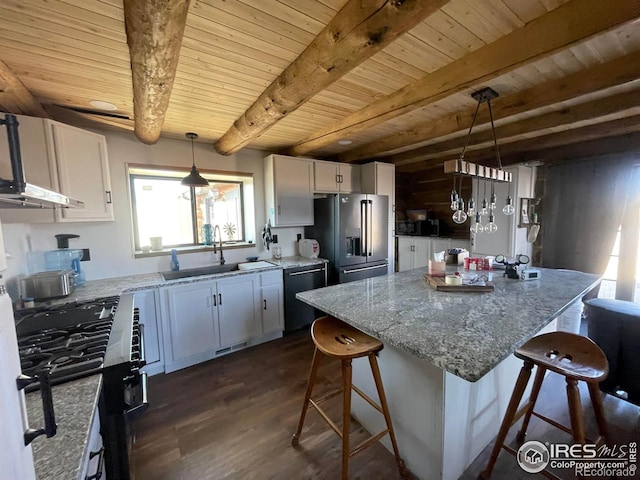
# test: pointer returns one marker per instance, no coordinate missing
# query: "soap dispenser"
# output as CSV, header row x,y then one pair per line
x,y
175,265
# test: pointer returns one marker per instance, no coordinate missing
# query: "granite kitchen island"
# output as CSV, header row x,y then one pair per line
x,y
447,364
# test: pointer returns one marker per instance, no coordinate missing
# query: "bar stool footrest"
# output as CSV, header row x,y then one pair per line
x,y
368,441
322,413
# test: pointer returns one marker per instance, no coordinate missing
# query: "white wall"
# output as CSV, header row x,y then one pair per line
x,y
111,243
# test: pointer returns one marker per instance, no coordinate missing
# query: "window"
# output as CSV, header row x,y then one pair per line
x,y
608,285
162,207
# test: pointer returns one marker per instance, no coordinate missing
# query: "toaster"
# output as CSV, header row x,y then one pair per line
x,y
52,284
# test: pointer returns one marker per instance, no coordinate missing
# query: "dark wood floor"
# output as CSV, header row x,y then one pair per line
x,y
233,417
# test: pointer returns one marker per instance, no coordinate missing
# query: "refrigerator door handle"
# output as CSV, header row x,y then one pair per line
x,y
363,229
370,227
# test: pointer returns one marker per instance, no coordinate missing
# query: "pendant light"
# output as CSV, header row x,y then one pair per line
x,y
194,179
461,167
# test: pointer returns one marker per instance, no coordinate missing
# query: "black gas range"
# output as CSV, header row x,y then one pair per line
x,y
78,339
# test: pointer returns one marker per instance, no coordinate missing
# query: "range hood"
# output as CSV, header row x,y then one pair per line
x,y
18,193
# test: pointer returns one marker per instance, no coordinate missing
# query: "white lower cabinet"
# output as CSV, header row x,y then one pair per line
x,y
190,321
272,299
147,303
202,320
93,461
413,252
238,319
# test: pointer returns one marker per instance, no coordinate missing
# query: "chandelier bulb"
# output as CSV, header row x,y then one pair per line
x,y
471,209
508,207
491,226
476,226
483,210
459,215
492,203
454,200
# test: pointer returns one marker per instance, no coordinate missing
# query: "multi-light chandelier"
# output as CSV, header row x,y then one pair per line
x,y
476,210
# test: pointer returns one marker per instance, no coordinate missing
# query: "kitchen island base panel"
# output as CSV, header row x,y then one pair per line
x,y
443,422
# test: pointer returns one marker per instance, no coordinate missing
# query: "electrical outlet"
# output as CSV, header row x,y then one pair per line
x,y
86,256
274,238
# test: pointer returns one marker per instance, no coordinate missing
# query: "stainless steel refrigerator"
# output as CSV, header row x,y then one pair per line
x,y
353,236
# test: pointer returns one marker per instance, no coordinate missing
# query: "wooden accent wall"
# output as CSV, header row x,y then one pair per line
x,y
429,190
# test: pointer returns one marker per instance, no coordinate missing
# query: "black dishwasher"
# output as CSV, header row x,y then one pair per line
x,y
298,314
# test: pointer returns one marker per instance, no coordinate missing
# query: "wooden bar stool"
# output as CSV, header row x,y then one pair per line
x,y
335,338
576,358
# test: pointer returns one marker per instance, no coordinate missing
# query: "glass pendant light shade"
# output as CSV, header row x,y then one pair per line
x,y
492,203
483,210
491,226
476,226
471,209
508,206
194,179
454,200
460,216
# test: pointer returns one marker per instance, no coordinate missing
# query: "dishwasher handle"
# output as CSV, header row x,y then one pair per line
x,y
293,274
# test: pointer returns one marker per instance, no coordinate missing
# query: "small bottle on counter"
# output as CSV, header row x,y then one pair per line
x,y
175,265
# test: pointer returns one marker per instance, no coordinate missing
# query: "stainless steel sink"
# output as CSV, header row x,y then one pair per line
x,y
195,272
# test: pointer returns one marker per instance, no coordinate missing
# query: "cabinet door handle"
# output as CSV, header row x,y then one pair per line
x,y
214,300
413,248
109,200
265,304
98,474
220,298
50,426
279,210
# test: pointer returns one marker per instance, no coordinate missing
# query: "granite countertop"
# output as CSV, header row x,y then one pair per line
x,y
60,457
108,287
296,261
466,334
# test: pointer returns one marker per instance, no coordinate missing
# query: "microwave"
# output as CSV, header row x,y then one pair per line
x,y
422,228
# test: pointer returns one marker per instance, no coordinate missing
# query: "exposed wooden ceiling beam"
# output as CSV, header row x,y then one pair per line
x,y
15,97
512,153
625,104
615,72
567,25
359,30
154,35
628,144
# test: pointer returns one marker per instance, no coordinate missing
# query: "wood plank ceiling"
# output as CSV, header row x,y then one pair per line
x,y
392,77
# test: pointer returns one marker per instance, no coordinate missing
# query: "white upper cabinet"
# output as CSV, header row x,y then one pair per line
x,y
289,190
333,177
380,179
82,168
65,159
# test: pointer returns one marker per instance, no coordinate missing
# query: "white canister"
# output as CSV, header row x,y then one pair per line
x,y
309,248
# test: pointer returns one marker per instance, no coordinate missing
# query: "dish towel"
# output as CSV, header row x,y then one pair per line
x,y
266,235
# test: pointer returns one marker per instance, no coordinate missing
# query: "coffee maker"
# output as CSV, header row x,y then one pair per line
x,y
65,258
